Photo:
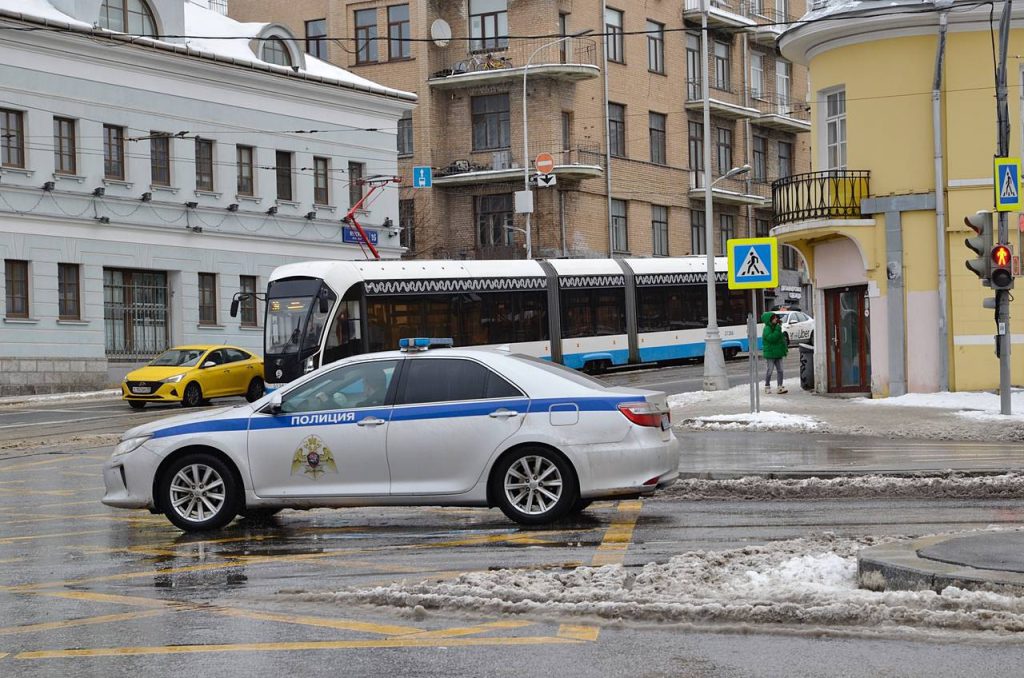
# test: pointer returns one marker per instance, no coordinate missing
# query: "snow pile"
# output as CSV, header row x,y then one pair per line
x,y
964,400
756,421
948,485
810,583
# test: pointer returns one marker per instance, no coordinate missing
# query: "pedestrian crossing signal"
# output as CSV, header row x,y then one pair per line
x,y
980,244
1001,276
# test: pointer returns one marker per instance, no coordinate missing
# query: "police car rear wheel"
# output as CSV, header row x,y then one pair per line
x,y
534,486
198,492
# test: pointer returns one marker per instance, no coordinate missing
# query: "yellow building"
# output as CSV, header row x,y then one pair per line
x,y
903,100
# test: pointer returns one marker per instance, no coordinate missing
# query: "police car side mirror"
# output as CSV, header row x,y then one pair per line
x,y
275,403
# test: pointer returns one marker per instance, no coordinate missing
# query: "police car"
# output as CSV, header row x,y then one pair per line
x,y
426,425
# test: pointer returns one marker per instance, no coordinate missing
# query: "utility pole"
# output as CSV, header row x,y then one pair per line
x,y
1002,151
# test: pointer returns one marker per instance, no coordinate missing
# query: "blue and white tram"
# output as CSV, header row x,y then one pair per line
x,y
585,313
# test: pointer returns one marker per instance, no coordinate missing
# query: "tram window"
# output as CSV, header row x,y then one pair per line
x,y
671,308
733,306
345,336
596,312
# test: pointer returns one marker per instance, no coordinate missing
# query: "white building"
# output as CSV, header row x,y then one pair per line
x,y
145,180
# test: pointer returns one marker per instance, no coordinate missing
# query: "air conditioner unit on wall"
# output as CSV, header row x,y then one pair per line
x,y
501,160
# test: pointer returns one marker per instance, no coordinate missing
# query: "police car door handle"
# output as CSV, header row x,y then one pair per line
x,y
503,413
370,421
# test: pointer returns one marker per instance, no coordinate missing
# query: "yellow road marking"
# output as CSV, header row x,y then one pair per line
x,y
52,535
84,621
293,646
3,654
32,464
612,550
47,493
321,622
78,473
473,630
137,601
575,632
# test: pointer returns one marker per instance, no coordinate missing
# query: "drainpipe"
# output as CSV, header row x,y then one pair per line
x,y
607,137
940,204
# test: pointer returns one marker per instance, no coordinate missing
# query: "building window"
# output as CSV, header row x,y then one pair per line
x,y
785,159
494,217
659,228
399,46
113,152
656,47
788,258
696,146
835,130
276,52
405,145
722,66
204,165
356,172
366,36
65,153
757,75
283,170
693,69
761,228
617,130
488,24
136,312
727,231
620,226
659,154
759,172
490,122
783,79
724,150
563,30
247,305
12,138
566,130
321,181
407,223
698,242
16,279
160,159
207,298
614,43
316,38
244,163
128,16
68,292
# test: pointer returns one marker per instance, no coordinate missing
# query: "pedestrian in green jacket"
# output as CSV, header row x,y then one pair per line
x,y
774,347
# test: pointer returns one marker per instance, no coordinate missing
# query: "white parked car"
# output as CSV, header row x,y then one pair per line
x,y
426,425
797,327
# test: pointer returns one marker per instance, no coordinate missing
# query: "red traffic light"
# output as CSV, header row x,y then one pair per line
x,y
1001,256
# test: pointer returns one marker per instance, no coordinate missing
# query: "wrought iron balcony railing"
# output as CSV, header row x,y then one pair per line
x,y
503,54
831,194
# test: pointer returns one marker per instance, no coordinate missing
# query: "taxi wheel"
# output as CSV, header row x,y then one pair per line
x,y
193,396
199,492
533,486
255,390
136,404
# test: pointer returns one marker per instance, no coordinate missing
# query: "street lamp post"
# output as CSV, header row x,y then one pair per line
x,y
526,150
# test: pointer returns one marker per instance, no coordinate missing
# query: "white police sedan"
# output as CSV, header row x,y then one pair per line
x,y
426,425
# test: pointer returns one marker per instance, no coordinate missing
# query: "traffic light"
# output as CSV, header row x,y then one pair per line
x,y
1000,275
981,245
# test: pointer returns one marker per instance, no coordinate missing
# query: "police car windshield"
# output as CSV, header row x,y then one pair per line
x,y
285,319
178,357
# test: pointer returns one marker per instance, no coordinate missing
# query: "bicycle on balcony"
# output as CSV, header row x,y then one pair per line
x,y
482,62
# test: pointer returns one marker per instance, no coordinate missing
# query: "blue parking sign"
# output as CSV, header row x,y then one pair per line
x,y
422,177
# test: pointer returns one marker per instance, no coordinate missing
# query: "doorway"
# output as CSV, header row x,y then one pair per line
x,y
847,340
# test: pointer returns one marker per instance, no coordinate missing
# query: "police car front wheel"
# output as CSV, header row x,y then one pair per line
x,y
534,486
199,492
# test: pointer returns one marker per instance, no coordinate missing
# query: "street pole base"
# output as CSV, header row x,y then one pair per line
x,y
715,376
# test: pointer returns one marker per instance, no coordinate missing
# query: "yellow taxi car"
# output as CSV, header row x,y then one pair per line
x,y
193,374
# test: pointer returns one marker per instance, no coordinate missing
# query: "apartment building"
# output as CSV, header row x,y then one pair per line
x,y
620,109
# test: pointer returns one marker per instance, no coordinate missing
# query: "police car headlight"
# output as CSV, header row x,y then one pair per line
x,y
129,445
172,380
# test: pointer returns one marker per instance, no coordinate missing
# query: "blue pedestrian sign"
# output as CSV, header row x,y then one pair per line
x,y
753,263
351,235
1007,183
422,177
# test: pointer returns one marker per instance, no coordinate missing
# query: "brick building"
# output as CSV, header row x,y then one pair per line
x,y
620,110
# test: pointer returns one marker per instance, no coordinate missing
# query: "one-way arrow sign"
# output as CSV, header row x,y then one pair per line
x,y
544,180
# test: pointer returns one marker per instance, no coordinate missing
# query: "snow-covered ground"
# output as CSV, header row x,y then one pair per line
x,y
805,585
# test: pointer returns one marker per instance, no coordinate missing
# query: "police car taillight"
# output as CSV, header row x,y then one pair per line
x,y
643,414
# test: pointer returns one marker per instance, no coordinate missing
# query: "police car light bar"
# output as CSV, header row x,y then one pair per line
x,y
423,343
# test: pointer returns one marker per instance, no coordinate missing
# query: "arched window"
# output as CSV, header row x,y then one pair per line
x,y
276,52
128,16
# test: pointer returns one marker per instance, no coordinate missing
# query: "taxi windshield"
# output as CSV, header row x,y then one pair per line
x,y
178,357
285,319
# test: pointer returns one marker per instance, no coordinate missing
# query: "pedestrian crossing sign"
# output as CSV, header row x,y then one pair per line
x,y
753,263
1007,184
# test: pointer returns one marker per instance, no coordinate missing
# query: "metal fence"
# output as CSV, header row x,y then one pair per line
x,y
832,194
135,313
498,54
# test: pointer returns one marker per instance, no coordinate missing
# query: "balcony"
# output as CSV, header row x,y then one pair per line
x,y
722,100
504,61
769,23
721,13
573,164
832,194
781,112
726,191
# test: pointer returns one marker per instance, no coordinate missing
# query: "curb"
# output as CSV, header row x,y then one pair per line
x,y
832,473
44,398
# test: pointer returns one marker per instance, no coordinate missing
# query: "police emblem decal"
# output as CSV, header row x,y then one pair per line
x,y
313,458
